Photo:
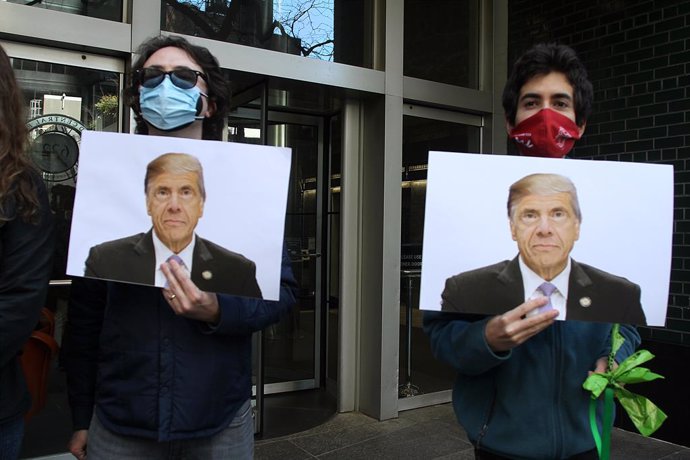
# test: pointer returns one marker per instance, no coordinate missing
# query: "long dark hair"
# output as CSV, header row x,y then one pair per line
x,y
17,187
218,90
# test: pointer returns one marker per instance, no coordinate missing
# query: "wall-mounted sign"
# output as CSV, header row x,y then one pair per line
x,y
54,146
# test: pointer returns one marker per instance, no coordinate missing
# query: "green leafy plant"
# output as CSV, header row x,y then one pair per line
x,y
646,416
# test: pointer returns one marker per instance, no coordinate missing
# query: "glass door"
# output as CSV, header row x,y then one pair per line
x,y
288,355
423,380
64,93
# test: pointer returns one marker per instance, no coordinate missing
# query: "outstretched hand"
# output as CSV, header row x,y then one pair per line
x,y
185,298
514,327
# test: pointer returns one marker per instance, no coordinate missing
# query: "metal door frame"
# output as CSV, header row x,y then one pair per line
x,y
461,118
266,116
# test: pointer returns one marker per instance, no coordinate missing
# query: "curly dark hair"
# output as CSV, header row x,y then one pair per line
x,y
218,89
17,172
543,59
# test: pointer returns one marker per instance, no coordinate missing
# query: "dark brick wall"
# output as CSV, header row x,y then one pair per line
x,y
637,53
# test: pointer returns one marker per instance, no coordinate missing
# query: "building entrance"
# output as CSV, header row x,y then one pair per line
x,y
291,355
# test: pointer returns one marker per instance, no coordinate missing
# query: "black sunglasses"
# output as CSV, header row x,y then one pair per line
x,y
150,77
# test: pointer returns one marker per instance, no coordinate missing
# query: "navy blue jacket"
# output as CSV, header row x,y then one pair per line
x,y
26,252
529,402
152,374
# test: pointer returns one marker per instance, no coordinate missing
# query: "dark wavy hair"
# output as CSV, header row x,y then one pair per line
x,y
218,90
543,59
17,187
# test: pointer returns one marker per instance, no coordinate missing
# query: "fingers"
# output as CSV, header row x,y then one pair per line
x,y
526,307
601,365
513,328
181,291
185,298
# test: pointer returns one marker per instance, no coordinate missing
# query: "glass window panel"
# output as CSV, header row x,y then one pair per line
x,y
102,9
289,344
441,41
88,96
310,28
420,372
295,352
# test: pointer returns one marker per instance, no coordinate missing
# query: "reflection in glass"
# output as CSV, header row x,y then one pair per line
x,y
312,231
420,135
300,27
301,240
292,26
289,344
441,41
102,9
78,99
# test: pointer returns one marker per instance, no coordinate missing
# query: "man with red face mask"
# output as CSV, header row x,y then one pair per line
x,y
547,101
518,392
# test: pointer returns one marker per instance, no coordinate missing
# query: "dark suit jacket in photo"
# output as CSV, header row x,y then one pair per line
x,y
593,294
133,260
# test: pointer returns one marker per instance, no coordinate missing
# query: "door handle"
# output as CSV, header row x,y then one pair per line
x,y
306,255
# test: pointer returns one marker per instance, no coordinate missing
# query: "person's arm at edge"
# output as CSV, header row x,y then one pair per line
x,y
240,315
26,268
458,340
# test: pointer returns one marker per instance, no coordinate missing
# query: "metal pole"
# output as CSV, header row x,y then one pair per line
x,y
409,330
407,389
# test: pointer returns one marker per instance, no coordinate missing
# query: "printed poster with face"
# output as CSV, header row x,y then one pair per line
x,y
599,233
219,207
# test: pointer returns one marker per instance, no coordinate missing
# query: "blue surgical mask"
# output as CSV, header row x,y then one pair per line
x,y
168,107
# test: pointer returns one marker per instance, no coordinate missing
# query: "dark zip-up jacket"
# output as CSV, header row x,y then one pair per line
x,y
527,403
152,374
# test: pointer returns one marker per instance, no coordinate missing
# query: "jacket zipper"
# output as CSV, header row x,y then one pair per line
x,y
485,427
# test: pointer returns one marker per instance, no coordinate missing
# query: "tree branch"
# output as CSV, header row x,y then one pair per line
x,y
308,51
193,15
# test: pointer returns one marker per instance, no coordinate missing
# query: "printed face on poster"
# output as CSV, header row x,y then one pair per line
x,y
219,206
606,247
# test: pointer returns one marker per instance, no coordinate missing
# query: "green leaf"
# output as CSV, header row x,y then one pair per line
x,y
596,383
634,360
638,375
646,416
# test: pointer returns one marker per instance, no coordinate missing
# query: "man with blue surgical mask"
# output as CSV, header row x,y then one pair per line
x,y
170,100
166,373
175,96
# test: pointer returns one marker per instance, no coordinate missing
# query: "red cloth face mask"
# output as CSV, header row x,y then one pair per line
x,y
545,134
